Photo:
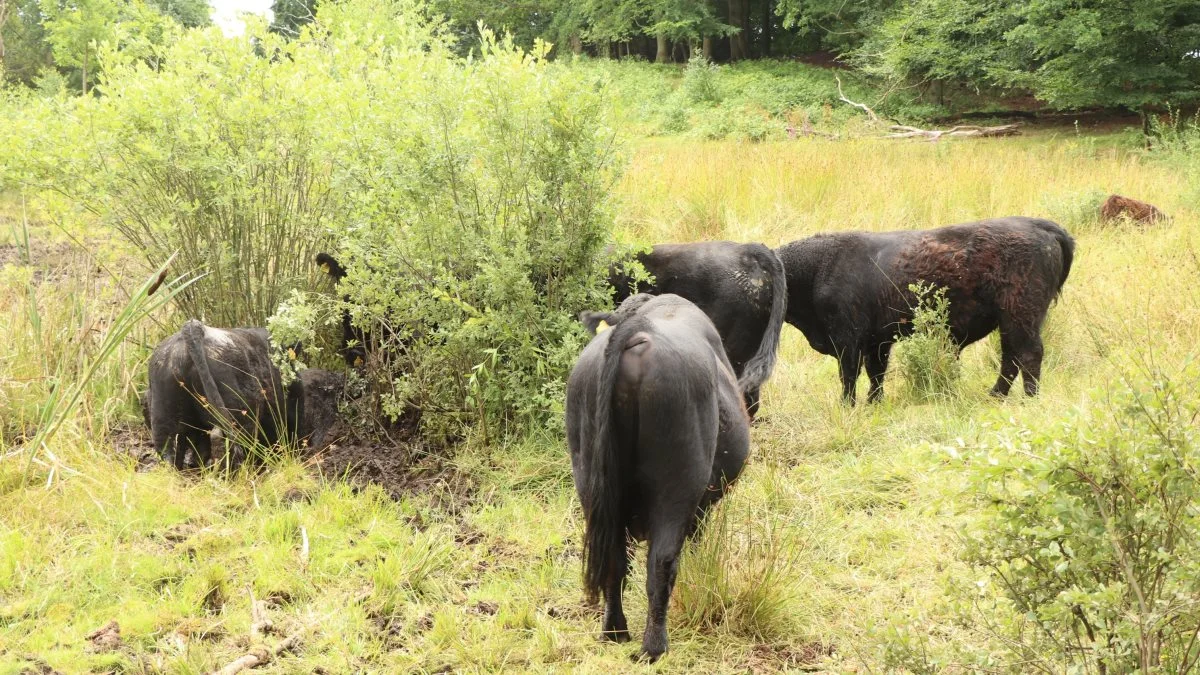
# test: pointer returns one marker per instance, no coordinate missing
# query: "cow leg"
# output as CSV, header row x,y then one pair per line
x,y
751,397
662,564
1014,341
1029,360
849,363
615,629
877,363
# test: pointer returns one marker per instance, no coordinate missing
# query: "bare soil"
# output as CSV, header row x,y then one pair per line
x,y
401,465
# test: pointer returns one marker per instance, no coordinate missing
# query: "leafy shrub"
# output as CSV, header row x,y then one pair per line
x,y
701,80
929,355
214,154
1091,532
468,198
476,210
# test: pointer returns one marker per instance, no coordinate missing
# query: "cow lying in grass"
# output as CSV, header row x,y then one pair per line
x,y
741,287
213,389
657,430
848,292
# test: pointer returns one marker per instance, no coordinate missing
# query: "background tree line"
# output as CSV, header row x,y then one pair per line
x,y
56,43
1070,54
1136,54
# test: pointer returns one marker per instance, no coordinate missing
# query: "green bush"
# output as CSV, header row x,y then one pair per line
x,y
469,198
475,198
1090,531
929,355
701,80
213,154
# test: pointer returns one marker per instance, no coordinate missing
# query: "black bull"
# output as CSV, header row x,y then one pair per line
x,y
742,289
848,292
657,430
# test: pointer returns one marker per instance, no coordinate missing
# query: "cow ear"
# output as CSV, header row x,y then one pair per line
x,y
597,322
294,351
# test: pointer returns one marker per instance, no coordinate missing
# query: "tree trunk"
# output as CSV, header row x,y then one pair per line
x,y
707,48
3,19
576,45
84,81
768,17
663,55
737,19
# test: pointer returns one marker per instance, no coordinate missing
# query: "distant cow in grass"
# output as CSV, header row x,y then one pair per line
x,y
848,292
212,388
741,287
657,430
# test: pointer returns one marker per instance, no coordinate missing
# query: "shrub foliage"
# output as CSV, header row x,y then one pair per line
x,y
1091,531
929,355
468,198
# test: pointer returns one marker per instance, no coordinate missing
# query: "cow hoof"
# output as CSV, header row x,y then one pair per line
x,y
618,636
644,656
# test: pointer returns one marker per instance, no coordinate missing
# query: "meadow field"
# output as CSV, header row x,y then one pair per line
x,y
841,549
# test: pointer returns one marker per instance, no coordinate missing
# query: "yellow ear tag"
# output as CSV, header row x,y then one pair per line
x,y
325,268
292,354
602,326
358,361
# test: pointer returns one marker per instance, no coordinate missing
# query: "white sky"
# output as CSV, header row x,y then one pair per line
x,y
226,13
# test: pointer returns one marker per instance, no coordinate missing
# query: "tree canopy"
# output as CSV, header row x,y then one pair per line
x,y
1069,54
39,38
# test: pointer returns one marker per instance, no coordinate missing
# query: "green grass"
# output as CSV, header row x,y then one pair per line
x,y
834,550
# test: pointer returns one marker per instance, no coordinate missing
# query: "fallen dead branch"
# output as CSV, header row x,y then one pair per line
x,y
862,106
961,131
260,655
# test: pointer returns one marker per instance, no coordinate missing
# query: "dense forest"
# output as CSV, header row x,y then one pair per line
x,y
1139,55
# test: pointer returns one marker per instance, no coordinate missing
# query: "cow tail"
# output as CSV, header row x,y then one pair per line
x,y
1066,243
1068,252
759,367
193,336
604,511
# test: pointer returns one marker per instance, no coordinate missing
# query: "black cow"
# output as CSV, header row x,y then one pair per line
x,y
313,406
354,339
849,291
207,381
657,430
741,287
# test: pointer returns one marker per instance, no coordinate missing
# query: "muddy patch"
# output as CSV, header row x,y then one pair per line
x,y
774,657
105,639
134,441
401,465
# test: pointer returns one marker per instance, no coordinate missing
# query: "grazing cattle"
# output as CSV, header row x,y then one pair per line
x,y
657,431
205,382
1117,207
741,287
354,339
848,292
312,405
